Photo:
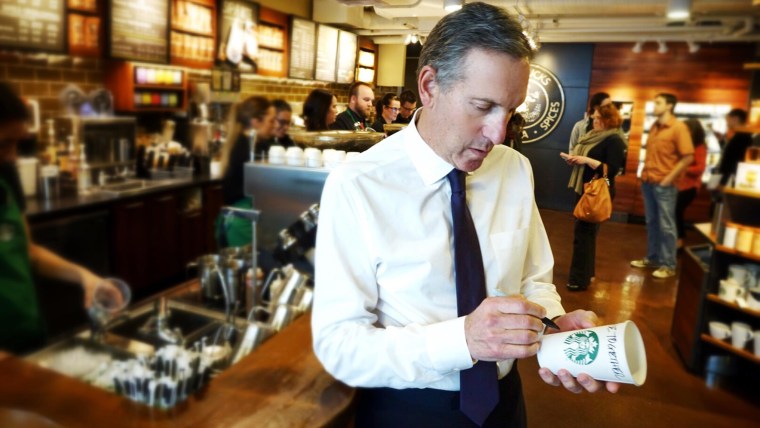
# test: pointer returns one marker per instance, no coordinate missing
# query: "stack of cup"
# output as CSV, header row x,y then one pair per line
x,y
351,155
27,169
276,155
294,156
333,158
313,157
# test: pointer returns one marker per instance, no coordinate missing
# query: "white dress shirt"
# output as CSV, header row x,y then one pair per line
x,y
385,309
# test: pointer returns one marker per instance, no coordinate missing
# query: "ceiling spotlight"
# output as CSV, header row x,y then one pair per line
x,y
637,47
679,9
662,47
452,5
408,39
414,38
693,46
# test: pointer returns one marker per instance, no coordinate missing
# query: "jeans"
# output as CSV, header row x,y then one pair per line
x,y
685,198
584,253
660,209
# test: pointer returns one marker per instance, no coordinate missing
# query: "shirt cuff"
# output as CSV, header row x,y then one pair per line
x,y
447,346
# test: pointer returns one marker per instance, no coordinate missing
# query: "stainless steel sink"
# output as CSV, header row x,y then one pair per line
x,y
191,322
136,186
78,356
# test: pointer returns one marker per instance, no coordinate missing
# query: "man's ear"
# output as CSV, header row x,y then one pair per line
x,y
427,86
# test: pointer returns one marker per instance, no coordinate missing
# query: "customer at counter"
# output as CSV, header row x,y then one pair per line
x,y
408,105
356,116
21,324
387,110
253,115
417,297
320,110
736,145
280,137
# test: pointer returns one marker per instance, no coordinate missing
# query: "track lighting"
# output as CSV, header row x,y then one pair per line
x,y
693,47
452,5
662,47
637,47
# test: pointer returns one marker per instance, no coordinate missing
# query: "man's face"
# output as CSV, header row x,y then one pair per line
x,y
363,101
391,112
407,109
661,106
733,122
466,121
282,123
10,134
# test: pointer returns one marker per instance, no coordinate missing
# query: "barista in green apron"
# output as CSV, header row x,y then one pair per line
x,y
252,115
21,323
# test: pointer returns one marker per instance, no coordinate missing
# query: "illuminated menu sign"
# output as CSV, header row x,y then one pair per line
x,y
302,47
347,43
327,52
32,24
139,30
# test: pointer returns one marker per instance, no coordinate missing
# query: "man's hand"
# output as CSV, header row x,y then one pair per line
x,y
504,327
576,320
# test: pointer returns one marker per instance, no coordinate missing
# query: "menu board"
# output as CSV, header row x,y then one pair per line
x,y
302,48
327,52
139,30
237,32
32,24
346,57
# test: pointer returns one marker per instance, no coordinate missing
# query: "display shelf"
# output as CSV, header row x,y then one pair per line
x,y
727,250
131,96
706,230
273,30
193,33
743,206
727,347
715,298
742,192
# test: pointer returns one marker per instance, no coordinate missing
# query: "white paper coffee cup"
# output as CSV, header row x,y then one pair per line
x,y
610,353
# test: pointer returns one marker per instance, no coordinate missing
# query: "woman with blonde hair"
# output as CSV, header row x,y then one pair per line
x,y
603,145
251,120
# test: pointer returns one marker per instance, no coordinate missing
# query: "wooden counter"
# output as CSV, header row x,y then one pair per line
x,y
281,384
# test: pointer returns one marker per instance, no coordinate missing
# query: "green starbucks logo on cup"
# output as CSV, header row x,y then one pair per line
x,y
583,347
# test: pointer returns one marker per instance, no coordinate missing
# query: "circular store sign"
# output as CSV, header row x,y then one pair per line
x,y
543,106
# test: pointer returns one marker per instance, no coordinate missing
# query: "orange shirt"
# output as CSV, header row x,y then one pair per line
x,y
666,145
693,175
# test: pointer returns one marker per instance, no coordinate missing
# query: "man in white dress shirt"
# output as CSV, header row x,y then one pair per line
x,y
385,308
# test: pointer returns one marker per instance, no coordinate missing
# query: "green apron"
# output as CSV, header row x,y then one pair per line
x,y
233,231
21,326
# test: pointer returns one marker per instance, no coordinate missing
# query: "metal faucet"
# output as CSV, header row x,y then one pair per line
x,y
158,324
252,297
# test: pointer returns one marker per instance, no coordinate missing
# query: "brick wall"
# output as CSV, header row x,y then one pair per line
x,y
43,77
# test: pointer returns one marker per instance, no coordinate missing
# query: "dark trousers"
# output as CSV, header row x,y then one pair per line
x,y
415,408
582,266
684,199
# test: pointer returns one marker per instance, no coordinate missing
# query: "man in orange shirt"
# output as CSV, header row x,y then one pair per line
x,y
669,152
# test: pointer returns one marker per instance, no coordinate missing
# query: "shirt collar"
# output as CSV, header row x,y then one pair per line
x,y
429,165
668,123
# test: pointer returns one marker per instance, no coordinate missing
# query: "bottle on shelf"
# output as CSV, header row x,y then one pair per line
x,y
49,156
73,157
84,177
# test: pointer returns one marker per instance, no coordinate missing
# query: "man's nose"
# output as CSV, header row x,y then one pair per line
x,y
495,128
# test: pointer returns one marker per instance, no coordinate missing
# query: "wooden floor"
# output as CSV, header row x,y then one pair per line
x,y
671,396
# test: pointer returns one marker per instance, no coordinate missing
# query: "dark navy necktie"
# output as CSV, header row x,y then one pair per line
x,y
479,389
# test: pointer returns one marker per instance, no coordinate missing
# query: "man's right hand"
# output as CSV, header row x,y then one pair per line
x,y
504,327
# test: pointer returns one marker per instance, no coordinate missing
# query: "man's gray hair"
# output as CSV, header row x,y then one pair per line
x,y
475,26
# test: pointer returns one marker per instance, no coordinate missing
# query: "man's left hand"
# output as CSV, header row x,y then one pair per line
x,y
576,320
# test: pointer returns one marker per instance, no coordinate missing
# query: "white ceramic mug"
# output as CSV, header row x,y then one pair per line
x,y
738,273
720,330
729,235
276,154
741,333
730,290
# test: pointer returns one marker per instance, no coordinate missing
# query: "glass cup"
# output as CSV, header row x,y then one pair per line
x,y
111,296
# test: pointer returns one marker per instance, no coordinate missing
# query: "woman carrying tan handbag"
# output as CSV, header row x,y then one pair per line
x,y
604,145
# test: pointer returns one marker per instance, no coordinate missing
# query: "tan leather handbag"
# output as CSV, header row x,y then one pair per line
x,y
595,205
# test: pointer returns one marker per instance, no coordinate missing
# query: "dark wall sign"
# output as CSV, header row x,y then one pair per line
x,y
544,104
32,25
139,30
